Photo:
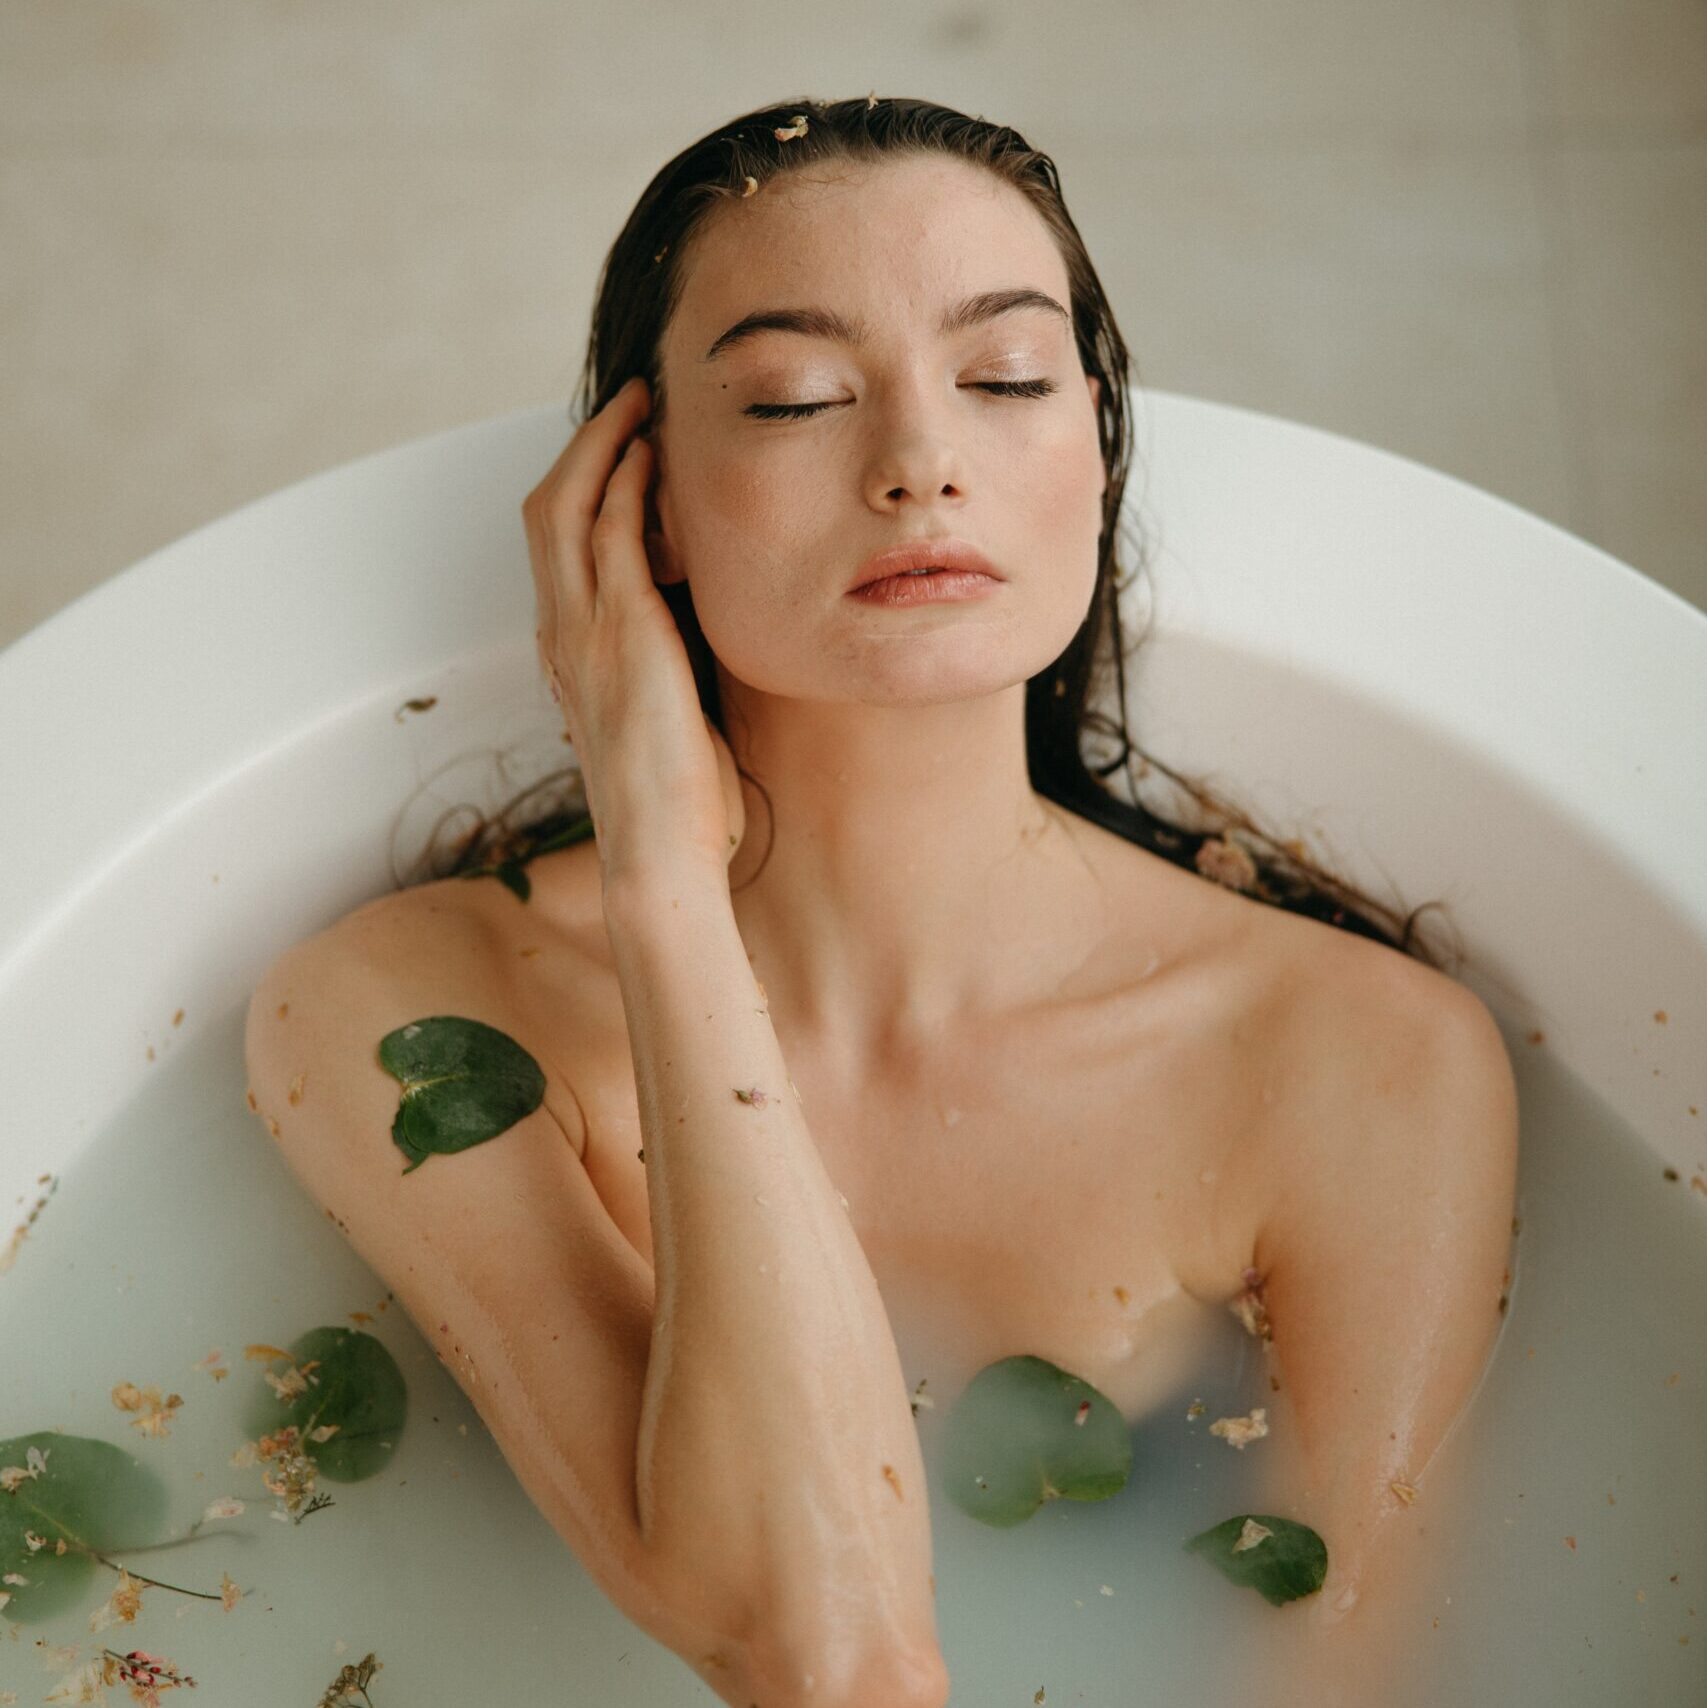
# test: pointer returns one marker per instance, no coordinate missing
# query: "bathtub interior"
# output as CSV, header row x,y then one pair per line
x,y
1478,710
1447,697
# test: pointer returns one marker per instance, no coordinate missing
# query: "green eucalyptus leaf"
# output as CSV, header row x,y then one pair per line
x,y
1014,1441
1282,1566
355,1385
91,1495
463,1082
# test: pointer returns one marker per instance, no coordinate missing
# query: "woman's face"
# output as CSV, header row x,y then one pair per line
x,y
769,519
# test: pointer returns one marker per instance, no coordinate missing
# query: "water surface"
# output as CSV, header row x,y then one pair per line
x,y
180,1229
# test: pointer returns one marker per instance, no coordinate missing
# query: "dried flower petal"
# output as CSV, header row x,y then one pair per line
x,y
1239,1431
350,1678
87,1684
122,1605
289,1473
154,1422
1224,862
289,1385
147,1675
12,1476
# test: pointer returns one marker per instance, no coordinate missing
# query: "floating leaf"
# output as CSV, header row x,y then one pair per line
x,y
463,1082
1292,1560
514,879
355,1388
89,1495
1023,1432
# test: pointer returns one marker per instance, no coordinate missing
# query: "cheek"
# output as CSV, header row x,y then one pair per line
x,y
733,500
1065,483
1072,461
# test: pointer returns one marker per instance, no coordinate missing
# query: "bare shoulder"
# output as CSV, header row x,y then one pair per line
x,y
1381,1195
453,946
1376,1005
1379,1045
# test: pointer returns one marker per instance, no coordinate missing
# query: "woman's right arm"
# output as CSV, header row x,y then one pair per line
x,y
777,1447
749,1412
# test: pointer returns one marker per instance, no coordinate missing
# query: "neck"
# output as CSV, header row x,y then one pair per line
x,y
903,877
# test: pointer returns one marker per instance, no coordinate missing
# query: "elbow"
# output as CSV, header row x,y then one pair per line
x,y
911,1678
916,1679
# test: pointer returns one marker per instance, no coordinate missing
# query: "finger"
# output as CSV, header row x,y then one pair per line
x,y
621,568
544,585
574,485
561,509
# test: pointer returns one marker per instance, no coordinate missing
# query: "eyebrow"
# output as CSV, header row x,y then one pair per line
x,y
826,323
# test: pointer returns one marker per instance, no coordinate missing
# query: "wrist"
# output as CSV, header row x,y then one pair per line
x,y
639,892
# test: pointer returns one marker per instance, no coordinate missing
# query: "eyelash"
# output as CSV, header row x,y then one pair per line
x,y
802,411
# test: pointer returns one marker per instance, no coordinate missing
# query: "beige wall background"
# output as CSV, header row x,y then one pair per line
x,y
240,243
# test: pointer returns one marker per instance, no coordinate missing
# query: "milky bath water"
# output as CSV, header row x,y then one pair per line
x,y
1573,1571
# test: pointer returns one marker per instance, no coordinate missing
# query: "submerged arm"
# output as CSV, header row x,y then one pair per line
x,y
1383,1256
777,1448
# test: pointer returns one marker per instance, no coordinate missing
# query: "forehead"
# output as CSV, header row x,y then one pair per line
x,y
887,242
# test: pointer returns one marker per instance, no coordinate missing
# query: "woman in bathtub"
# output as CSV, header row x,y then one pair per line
x,y
867,991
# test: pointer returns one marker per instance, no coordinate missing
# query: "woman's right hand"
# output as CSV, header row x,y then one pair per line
x,y
661,782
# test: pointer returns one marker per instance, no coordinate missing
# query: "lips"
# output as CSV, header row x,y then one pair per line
x,y
939,552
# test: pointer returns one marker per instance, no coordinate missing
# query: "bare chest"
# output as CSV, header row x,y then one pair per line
x,y
1053,1189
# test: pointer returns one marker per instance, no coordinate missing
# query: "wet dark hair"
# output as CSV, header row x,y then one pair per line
x,y
639,290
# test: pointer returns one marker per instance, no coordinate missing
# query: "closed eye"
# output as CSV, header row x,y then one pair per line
x,y
800,411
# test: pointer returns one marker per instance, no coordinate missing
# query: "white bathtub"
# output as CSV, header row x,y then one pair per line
x,y
1452,698
204,760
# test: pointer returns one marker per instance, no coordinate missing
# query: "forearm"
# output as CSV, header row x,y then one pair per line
x,y
776,1448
